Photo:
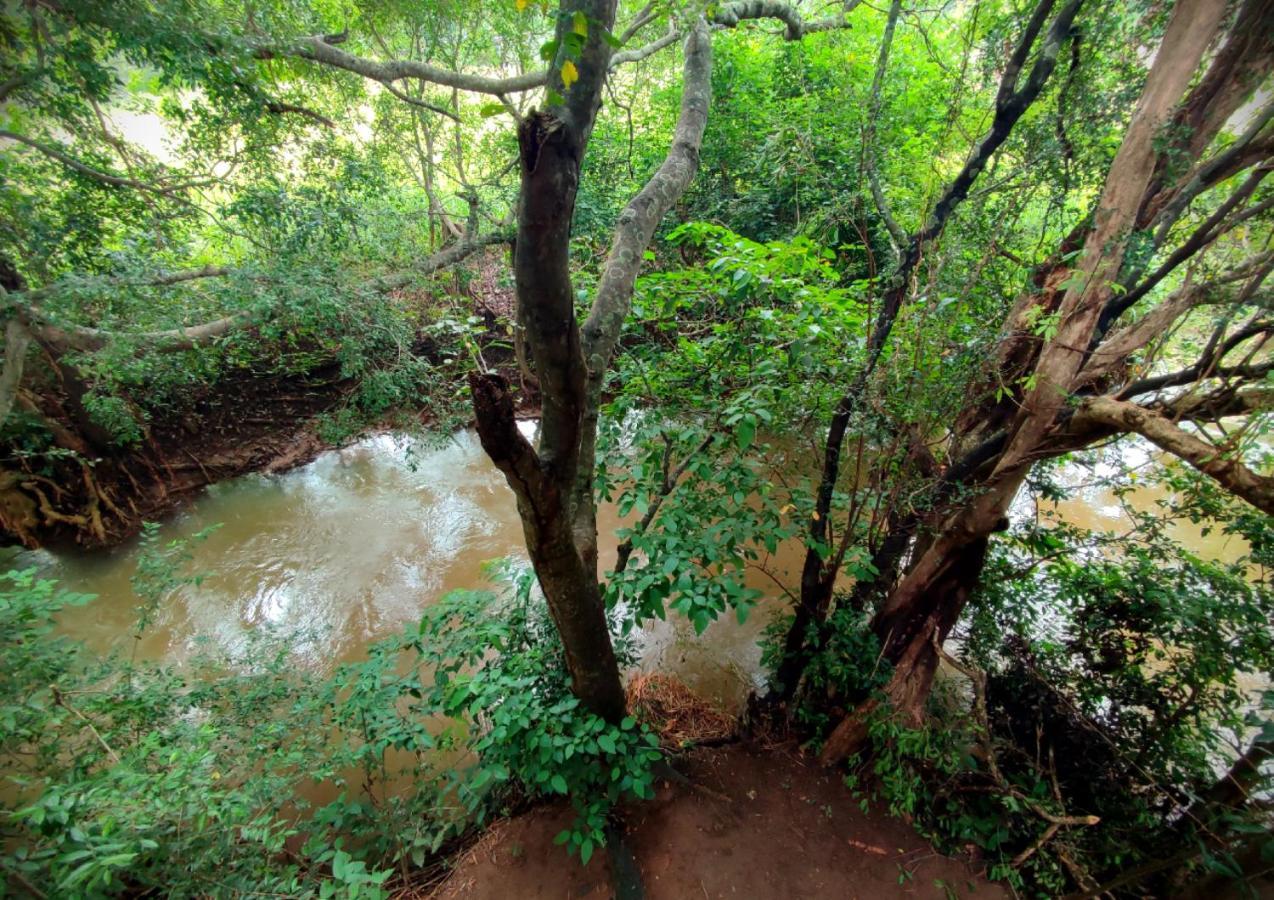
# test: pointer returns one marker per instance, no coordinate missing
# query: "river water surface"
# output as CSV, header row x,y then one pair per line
x,y
352,547
349,549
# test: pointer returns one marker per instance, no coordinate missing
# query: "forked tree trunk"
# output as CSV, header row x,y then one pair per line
x,y
554,482
921,610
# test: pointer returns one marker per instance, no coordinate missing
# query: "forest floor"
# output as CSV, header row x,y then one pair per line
x,y
749,822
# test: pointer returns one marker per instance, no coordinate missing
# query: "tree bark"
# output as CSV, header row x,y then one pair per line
x,y
1014,97
1223,467
910,638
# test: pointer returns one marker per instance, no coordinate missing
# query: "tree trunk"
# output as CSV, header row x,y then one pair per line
x,y
910,636
570,588
551,144
554,482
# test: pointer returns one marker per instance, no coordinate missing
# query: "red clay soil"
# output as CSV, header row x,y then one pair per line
x,y
752,824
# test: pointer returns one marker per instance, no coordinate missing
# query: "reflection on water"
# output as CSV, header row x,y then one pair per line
x,y
1091,502
350,549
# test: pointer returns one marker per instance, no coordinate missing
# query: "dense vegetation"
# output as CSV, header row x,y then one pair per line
x,y
860,279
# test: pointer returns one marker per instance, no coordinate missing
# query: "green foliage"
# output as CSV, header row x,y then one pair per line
x,y
706,411
498,676
1119,675
123,778
127,777
844,664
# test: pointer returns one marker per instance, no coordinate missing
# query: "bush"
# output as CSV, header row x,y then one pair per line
x,y
127,778
1111,685
498,676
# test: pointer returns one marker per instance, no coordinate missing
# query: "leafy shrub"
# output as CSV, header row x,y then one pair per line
x,y
127,777
496,672
1111,686
844,663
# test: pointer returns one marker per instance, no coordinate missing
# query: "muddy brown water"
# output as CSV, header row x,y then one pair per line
x,y
352,547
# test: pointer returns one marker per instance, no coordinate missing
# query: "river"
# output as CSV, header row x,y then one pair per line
x,y
351,547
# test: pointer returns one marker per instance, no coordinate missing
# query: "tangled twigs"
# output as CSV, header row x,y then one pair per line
x,y
1055,822
680,716
60,700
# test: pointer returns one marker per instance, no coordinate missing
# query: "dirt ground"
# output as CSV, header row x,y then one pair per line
x,y
751,824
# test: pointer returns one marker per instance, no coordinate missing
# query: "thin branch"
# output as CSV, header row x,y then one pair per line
x,y
896,235
670,482
322,49
280,108
66,159
731,14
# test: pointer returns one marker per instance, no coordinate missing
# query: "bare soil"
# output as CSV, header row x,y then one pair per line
x,y
751,823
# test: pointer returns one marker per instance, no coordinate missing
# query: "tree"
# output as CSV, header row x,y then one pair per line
x,y
553,482
1063,371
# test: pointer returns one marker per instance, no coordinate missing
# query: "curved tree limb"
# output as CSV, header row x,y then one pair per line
x,y
1226,470
896,235
321,49
731,14
110,178
633,231
636,224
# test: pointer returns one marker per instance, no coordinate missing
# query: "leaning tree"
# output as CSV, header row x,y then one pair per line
x,y
1078,359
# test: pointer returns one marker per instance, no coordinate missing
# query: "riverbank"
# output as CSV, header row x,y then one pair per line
x,y
750,822
86,487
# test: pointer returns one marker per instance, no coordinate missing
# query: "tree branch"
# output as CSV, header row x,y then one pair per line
x,y
1116,348
1209,231
731,14
280,108
320,49
896,235
66,159
1228,471
636,224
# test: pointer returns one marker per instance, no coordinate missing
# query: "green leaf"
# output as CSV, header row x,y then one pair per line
x,y
558,783
491,110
